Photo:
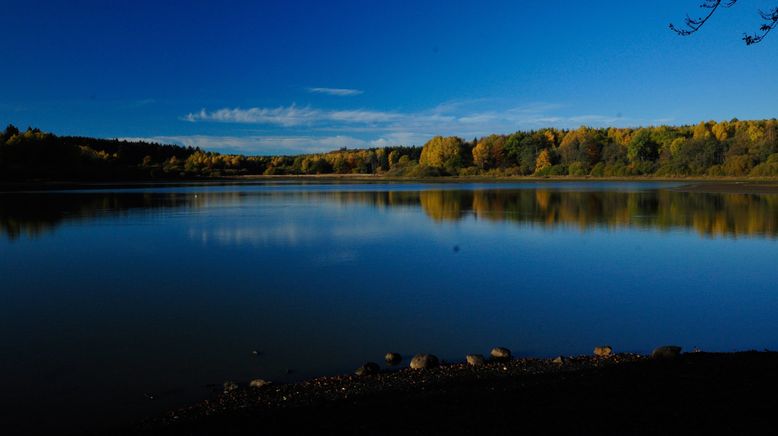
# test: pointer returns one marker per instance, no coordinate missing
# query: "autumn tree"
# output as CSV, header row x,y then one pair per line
x,y
316,165
733,148
581,145
441,152
543,163
489,152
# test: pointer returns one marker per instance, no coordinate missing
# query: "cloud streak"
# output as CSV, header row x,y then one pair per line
x,y
291,116
297,129
448,118
339,92
259,144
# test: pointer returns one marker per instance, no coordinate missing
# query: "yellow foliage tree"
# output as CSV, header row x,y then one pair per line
x,y
439,150
721,131
701,132
543,162
489,152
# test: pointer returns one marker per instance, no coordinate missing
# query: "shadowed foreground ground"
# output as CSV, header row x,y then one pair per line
x,y
625,394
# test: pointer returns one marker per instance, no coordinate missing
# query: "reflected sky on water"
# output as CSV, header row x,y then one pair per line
x,y
110,294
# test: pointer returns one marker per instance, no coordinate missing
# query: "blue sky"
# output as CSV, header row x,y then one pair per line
x,y
268,77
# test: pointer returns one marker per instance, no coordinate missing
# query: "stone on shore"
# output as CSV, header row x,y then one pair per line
x,y
393,358
475,359
666,352
500,353
558,360
424,361
603,351
258,383
230,386
370,368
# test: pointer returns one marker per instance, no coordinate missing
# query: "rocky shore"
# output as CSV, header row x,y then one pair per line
x,y
607,393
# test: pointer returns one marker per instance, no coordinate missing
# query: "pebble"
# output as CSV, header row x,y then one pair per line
x,y
603,351
500,353
475,359
558,360
393,358
666,352
424,361
230,386
370,368
258,383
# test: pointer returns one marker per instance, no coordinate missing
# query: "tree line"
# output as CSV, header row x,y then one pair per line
x,y
728,148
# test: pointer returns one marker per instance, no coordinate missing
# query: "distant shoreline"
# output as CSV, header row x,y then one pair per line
x,y
692,184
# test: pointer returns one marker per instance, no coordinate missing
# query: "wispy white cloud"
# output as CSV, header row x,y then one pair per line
x,y
310,129
597,120
449,118
282,116
258,144
362,116
340,92
399,138
290,116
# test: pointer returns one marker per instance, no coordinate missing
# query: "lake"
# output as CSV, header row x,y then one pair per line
x,y
112,297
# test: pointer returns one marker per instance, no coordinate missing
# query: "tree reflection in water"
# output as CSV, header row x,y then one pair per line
x,y
721,214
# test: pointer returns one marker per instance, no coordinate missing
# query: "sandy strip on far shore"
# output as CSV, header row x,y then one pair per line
x,y
730,188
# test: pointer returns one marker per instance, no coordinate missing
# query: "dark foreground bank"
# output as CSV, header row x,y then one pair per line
x,y
732,393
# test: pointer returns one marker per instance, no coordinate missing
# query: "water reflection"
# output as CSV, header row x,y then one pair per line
x,y
31,215
708,214
107,296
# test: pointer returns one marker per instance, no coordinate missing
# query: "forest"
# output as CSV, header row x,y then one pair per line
x,y
709,149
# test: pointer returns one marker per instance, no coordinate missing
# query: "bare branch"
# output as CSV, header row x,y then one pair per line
x,y
694,24
770,22
769,18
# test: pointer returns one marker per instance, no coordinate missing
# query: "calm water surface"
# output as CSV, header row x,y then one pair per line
x,y
107,295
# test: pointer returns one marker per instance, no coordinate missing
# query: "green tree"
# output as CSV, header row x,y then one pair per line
x,y
642,147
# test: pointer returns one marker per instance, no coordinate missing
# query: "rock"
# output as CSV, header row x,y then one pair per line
x,y
475,359
666,352
258,383
558,360
603,351
393,358
370,368
424,361
230,386
500,353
